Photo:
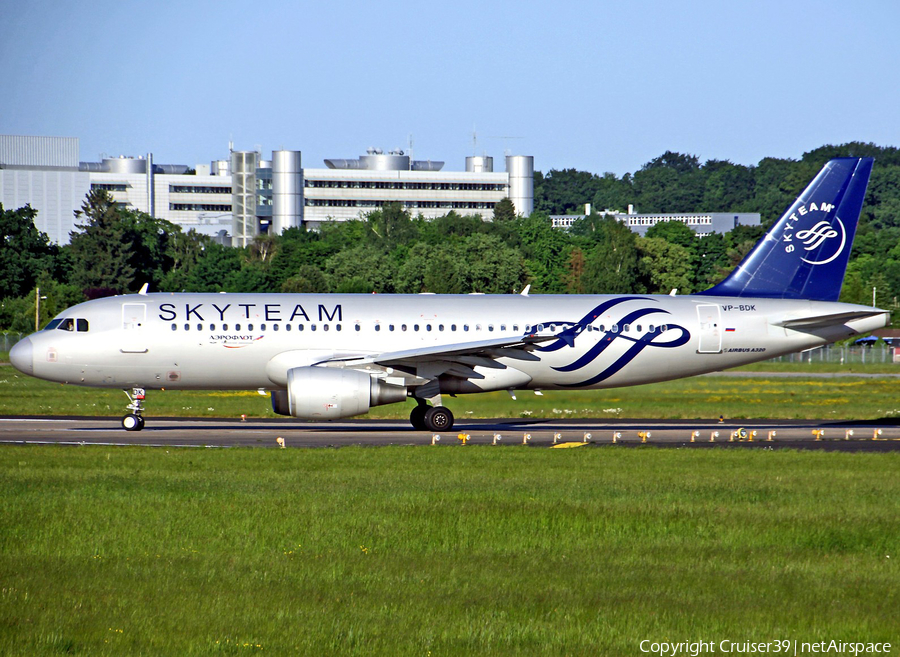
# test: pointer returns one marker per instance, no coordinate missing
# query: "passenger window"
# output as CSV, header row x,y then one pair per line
x,y
390,327
378,327
212,327
638,328
312,327
625,328
428,327
199,327
187,327
325,327
287,327
478,327
237,327
174,327
224,327
403,327
249,327
503,327
356,326
465,327
300,327
262,327
614,328
515,328
337,327
440,327
490,327
275,327
415,327
453,327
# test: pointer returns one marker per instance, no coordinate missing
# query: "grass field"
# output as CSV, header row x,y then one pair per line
x,y
442,551
845,398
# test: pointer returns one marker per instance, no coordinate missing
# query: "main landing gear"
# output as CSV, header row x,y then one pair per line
x,y
134,421
431,418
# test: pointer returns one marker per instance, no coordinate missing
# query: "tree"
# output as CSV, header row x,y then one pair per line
x,y
213,267
308,279
25,252
611,264
119,249
665,266
504,211
101,251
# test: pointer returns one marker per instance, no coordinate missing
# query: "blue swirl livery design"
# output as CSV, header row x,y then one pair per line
x,y
664,335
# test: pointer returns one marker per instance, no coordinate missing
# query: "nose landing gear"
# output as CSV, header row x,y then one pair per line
x,y
134,420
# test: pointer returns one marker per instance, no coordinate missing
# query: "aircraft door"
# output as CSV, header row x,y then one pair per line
x,y
134,316
710,317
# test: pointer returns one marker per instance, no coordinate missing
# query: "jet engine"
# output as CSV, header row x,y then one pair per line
x,y
328,393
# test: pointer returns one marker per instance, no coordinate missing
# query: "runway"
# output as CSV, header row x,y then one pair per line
x,y
222,433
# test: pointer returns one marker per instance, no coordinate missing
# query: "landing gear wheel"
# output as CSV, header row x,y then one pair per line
x,y
417,418
132,422
438,418
141,422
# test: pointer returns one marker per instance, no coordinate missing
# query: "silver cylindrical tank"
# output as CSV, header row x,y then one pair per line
x,y
124,164
172,169
287,191
480,164
385,162
521,182
220,167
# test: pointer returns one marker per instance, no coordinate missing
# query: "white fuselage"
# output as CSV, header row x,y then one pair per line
x,y
249,341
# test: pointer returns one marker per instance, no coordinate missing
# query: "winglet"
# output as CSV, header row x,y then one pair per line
x,y
524,292
804,255
144,288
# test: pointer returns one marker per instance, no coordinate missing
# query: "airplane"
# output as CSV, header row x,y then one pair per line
x,y
330,356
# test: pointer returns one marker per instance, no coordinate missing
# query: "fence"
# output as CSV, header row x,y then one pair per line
x,y
7,340
841,354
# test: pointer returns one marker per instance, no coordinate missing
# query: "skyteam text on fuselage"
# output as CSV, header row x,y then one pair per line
x,y
328,356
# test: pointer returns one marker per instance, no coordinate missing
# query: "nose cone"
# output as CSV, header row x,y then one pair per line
x,y
22,356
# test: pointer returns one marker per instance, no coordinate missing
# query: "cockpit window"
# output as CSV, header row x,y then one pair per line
x,y
69,324
52,325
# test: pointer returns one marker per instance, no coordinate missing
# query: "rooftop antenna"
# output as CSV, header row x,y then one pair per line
x,y
410,151
506,150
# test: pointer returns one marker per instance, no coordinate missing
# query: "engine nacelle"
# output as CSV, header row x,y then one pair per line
x,y
328,393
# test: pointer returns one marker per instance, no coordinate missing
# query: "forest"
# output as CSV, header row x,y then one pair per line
x,y
117,250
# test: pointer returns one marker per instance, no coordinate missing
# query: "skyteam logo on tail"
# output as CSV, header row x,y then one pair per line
x,y
829,233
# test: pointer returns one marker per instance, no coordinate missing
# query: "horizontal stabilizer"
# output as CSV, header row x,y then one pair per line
x,y
823,321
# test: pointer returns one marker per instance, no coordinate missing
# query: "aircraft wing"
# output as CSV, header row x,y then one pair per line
x,y
518,347
423,365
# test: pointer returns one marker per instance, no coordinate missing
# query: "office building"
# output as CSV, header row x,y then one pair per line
x,y
237,198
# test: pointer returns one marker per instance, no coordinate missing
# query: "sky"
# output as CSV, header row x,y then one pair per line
x,y
597,86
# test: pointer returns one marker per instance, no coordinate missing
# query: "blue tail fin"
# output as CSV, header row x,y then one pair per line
x,y
804,255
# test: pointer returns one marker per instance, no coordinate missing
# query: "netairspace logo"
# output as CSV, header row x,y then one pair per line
x,y
783,646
